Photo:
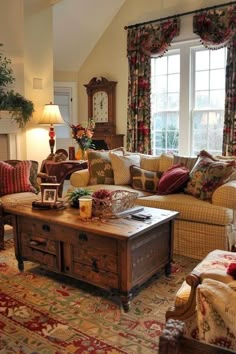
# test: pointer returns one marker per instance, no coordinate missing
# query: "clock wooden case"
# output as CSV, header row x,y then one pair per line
x,y
102,108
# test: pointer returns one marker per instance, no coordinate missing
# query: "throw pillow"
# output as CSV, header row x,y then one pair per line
x,y
100,168
166,161
207,175
186,161
173,180
144,180
150,163
15,179
121,167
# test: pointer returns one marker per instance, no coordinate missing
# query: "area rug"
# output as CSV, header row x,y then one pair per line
x,y
42,312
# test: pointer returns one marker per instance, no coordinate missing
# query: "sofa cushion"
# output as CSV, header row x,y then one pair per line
x,y
190,208
166,161
149,162
15,179
100,168
173,180
144,180
121,167
207,175
186,161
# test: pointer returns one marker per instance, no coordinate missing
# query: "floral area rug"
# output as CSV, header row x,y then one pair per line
x,y
42,312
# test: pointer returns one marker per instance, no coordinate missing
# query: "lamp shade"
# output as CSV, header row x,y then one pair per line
x,y
51,115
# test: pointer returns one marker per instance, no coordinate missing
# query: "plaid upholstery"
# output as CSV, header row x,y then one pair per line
x,y
190,208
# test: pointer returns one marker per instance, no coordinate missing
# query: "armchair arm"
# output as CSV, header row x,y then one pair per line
x,y
225,195
80,178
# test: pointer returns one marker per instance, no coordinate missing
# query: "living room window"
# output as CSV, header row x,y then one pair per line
x,y
187,99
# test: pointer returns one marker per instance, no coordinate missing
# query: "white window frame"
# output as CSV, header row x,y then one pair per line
x,y
185,49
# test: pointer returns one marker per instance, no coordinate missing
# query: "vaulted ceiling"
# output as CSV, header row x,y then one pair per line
x,y
77,26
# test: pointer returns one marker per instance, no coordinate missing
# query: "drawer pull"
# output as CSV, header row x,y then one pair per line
x,y
95,266
46,228
38,241
83,237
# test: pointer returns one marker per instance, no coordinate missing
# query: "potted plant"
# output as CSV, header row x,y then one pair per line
x,y
20,108
73,197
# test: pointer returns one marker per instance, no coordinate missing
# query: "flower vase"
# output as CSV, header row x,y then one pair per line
x,y
81,155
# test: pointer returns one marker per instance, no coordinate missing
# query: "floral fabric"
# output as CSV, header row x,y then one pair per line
x,y
207,175
215,27
142,43
229,135
216,313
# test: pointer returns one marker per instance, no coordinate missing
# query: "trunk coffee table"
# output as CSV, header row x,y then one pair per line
x,y
117,254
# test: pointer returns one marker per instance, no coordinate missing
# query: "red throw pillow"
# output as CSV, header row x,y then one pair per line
x,y
15,179
173,179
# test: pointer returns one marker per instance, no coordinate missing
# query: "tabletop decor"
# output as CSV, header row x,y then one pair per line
x,y
73,196
110,203
83,136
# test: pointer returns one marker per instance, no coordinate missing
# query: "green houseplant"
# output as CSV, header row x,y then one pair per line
x,y
20,108
73,197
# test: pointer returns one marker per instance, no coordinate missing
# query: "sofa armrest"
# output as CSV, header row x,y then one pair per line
x,y
80,178
225,195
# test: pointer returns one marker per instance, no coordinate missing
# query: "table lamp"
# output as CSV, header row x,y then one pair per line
x,y
51,115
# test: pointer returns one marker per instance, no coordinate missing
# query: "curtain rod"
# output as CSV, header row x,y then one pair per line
x,y
181,14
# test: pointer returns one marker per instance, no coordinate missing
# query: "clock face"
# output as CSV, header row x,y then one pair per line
x,y
100,107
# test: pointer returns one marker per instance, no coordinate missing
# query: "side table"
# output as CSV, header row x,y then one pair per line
x,y
62,170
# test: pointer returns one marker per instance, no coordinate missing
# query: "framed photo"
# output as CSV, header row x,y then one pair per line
x,y
49,192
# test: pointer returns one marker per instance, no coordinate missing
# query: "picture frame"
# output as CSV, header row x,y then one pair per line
x,y
49,192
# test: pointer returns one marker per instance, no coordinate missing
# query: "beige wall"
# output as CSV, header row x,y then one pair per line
x,y
109,59
26,32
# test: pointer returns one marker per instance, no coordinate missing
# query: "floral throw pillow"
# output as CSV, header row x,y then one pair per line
x,y
15,179
207,175
100,168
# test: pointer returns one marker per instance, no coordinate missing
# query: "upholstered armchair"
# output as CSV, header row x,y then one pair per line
x,y
23,186
206,303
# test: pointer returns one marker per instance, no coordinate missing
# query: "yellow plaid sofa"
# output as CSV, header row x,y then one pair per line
x,y
201,226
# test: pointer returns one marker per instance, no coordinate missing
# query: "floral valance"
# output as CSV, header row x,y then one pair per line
x,y
215,27
152,39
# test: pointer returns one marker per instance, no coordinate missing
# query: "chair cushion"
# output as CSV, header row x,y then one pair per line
x,y
15,179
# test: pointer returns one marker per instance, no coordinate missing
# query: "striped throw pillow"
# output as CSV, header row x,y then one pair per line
x,y
15,179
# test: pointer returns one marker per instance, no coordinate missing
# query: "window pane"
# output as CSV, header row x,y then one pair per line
x,y
202,99
172,140
173,83
161,66
173,101
202,60
202,80
159,121
217,99
161,101
173,121
161,84
173,64
217,79
217,58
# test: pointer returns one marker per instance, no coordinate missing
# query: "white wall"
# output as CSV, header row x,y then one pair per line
x,y
109,59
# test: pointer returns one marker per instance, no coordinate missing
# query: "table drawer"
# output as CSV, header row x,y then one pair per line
x,y
44,258
104,245
40,228
94,276
95,258
40,243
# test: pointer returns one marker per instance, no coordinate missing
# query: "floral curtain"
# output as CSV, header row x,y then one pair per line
x,y
142,43
217,29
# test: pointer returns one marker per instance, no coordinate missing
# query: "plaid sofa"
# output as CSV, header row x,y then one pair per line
x,y
201,226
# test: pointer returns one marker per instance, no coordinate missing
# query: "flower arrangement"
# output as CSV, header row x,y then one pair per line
x,y
83,135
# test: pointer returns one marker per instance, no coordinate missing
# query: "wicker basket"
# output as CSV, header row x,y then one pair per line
x,y
119,201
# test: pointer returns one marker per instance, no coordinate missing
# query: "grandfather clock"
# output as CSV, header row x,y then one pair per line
x,y
102,108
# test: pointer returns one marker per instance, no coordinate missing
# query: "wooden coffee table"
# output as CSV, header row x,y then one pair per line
x,y
118,254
